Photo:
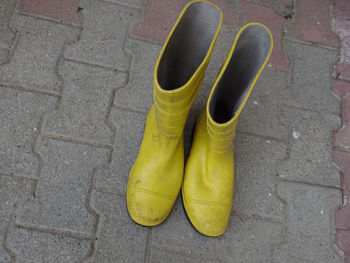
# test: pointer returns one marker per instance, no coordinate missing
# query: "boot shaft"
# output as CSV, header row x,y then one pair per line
x,y
182,62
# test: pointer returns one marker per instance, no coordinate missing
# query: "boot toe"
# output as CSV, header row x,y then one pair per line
x,y
148,208
208,218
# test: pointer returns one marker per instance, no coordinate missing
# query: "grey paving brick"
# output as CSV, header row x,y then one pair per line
x,y
32,247
311,79
12,191
261,113
309,228
138,94
85,100
20,114
6,34
129,134
160,255
310,154
61,194
246,239
39,46
4,53
255,174
120,239
221,49
104,32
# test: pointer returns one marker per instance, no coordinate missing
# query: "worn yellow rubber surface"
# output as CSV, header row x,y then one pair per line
x,y
157,174
209,177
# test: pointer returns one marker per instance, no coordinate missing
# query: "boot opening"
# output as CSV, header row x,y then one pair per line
x,y
188,45
252,48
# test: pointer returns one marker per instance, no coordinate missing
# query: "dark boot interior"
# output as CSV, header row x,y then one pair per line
x,y
188,45
251,50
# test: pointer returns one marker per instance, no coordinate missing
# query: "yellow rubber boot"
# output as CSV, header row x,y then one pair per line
x,y
207,191
157,174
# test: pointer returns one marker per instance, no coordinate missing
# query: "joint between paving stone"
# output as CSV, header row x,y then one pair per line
x,y
125,4
49,19
54,230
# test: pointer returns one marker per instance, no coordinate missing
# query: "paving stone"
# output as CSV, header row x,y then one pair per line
x,y
160,16
341,9
245,240
104,31
62,10
39,46
161,255
4,53
138,93
342,136
255,174
6,34
342,215
32,247
261,113
312,23
130,3
220,52
311,79
20,114
129,134
120,239
281,7
342,238
309,230
61,194
310,154
342,69
12,191
267,16
85,101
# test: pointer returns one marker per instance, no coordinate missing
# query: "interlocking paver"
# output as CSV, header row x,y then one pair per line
x,y
61,10
61,193
129,132
85,101
12,191
138,93
102,39
4,53
312,23
246,239
310,154
160,16
310,89
309,232
32,247
342,136
120,239
20,114
6,34
160,255
342,214
262,111
343,241
342,28
341,8
37,51
255,173
266,15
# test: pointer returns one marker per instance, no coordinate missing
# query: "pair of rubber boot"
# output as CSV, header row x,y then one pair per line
x,y
158,172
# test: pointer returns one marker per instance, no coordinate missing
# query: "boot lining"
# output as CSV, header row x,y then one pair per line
x,y
251,50
188,45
